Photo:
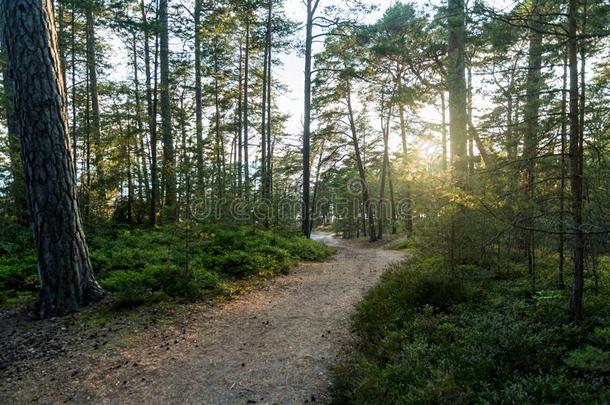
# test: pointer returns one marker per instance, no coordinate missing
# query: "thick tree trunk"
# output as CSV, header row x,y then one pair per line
x,y
456,83
576,160
169,158
65,271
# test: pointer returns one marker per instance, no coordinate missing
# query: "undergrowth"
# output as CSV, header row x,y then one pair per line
x,y
181,263
428,335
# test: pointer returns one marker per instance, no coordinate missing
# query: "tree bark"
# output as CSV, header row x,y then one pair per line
x,y
530,147
198,97
444,130
264,124
240,126
562,181
65,271
312,5
152,120
219,146
368,208
139,125
73,74
576,181
456,83
269,41
384,165
169,158
95,104
246,104
403,136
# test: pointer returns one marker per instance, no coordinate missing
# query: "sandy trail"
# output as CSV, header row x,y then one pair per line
x,y
272,345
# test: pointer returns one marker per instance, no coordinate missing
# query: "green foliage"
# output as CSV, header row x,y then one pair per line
x,y
405,289
589,358
18,273
303,248
18,269
146,265
425,335
157,282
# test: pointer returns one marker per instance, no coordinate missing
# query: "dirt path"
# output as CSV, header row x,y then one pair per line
x,y
271,345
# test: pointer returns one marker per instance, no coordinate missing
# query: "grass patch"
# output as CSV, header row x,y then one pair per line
x,y
424,335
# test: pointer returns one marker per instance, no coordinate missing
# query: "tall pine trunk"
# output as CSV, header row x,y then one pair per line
x,y
576,162
246,122
366,200
562,180
152,120
405,155
94,128
65,271
530,147
169,158
198,98
456,83
312,5
139,124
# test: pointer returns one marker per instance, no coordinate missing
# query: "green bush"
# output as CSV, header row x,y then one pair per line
x,y
424,335
404,289
18,273
130,288
144,265
589,358
303,248
156,282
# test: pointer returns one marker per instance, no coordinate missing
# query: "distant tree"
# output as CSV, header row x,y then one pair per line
x,y
169,158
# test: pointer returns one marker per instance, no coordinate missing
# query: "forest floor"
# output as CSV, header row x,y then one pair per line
x,y
272,344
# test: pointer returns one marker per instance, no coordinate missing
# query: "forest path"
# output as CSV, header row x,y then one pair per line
x,y
272,345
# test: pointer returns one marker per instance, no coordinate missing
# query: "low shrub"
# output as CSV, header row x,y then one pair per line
x,y
157,282
424,335
303,249
404,289
145,265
